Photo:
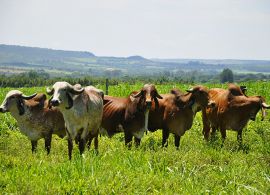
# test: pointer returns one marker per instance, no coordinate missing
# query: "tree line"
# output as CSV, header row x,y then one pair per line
x,y
33,78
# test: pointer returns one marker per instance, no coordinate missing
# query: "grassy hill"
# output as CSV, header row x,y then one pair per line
x,y
14,59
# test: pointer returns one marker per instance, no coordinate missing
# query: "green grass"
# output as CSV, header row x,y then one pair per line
x,y
197,167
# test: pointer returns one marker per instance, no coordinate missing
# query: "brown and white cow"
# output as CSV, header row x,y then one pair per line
x,y
129,114
233,111
176,112
35,119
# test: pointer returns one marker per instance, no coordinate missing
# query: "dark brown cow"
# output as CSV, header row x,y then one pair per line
x,y
34,117
130,114
176,112
233,111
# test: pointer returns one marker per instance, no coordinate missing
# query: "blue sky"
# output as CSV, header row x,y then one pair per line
x,y
219,29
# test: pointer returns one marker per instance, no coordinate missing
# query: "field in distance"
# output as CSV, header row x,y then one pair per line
x,y
197,167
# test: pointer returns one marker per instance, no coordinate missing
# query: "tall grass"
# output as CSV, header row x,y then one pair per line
x,y
197,167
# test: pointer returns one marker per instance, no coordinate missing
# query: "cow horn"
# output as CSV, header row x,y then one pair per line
x,y
137,94
242,87
70,102
50,91
76,91
29,97
264,105
190,90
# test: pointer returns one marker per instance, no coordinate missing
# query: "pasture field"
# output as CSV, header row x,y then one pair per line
x,y
197,167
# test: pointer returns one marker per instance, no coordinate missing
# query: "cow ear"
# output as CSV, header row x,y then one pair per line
x,y
70,101
49,102
158,96
191,103
137,94
156,103
20,106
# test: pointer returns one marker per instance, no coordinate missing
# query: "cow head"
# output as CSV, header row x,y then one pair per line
x,y
199,95
236,90
146,95
14,101
62,93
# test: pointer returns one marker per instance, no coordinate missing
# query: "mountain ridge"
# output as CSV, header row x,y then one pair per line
x,y
84,62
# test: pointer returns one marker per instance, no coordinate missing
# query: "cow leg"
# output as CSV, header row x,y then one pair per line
x,y
213,134
128,139
206,126
223,135
34,146
137,141
165,136
48,141
239,137
70,147
214,130
89,142
177,141
81,145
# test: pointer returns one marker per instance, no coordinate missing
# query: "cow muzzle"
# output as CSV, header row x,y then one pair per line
x,y
3,110
211,104
148,104
252,118
55,102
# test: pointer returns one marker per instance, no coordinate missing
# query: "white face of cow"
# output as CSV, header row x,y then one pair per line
x,y
62,93
10,101
14,101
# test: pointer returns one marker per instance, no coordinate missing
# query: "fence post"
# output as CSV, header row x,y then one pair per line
x,y
107,87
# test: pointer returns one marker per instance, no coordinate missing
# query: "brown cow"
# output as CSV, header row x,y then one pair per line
x,y
176,112
233,111
34,118
130,114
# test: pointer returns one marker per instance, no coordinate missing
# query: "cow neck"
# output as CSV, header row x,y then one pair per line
x,y
15,112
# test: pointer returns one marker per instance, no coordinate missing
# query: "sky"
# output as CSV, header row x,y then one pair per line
x,y
206,29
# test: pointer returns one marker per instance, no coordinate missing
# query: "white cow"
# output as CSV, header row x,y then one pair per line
x,y
82,109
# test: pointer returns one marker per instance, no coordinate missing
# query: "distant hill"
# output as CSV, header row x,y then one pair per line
x,y
136,58
16,59
18,53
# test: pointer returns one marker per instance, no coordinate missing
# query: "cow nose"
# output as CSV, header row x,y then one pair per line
x,y
2,110
55,102
212,104
252,118
148,104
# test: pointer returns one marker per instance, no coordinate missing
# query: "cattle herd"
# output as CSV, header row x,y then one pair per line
x,y
82,113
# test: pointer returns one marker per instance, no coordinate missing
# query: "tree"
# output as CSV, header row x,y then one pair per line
x,y
226,76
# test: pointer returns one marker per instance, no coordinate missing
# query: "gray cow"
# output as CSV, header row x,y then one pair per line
x,y
82,109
